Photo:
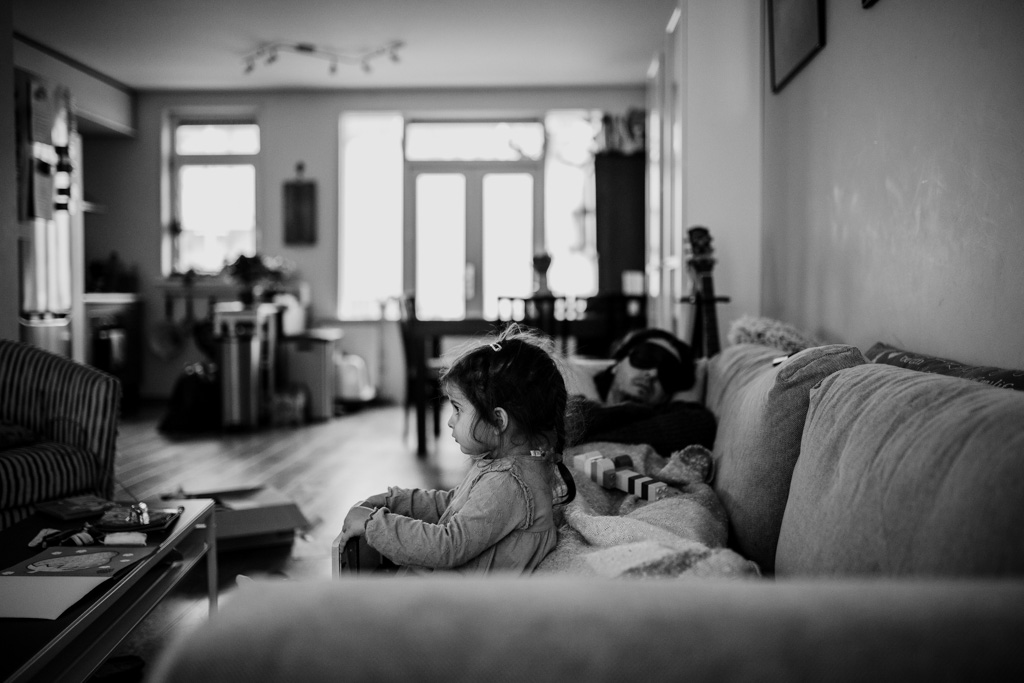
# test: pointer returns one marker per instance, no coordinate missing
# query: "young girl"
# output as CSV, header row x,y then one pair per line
x,y
508,402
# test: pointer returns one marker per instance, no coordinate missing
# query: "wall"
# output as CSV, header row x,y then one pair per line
x,y
894,181
124,175
8,187
102,107
708,92
723,146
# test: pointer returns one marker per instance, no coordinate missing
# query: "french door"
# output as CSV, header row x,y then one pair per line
x,y
471,231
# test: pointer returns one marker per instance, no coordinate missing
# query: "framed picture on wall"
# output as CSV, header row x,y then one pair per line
x,y
300,209
796,32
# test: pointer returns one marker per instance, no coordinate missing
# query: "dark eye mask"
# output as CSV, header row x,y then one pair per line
x,y
648,356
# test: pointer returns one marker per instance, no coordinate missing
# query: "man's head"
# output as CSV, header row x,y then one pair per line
x,y
650,366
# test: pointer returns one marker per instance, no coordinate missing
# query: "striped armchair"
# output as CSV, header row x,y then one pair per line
x,y
58,429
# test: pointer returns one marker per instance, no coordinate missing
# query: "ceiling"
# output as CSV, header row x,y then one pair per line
x,y
202,44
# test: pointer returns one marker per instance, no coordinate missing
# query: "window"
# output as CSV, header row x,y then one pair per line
x,y
570,225
472,211
474,141
370,214
456,210
213,184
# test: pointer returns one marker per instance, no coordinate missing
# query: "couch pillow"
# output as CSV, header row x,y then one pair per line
x,y
750,329
761,408
997,377
906,473
579,376
44,471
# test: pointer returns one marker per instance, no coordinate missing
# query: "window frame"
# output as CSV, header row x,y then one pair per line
x,y
174,163
473,170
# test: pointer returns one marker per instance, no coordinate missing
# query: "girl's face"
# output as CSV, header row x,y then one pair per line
x,y
462,423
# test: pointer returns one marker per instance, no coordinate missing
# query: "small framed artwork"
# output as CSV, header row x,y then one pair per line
x,y
300,209
796,32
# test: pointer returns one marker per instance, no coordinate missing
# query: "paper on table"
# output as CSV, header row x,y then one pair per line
x,y
42,597
45,585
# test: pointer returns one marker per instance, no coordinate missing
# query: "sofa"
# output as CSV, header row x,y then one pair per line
x,y
882,508
58,429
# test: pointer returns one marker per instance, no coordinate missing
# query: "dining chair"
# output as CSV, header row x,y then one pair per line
x,y
417,361
542,312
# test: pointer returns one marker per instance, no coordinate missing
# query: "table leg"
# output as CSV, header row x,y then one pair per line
x,y
211,561
419,389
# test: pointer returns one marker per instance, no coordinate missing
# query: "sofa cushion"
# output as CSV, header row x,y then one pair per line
x,y
558,629
11,516
905,472
43,471
997,377
761,408
15,436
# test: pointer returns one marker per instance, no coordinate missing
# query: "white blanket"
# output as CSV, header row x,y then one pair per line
x,y
605,532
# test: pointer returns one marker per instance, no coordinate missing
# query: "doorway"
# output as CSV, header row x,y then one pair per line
x,y
474,227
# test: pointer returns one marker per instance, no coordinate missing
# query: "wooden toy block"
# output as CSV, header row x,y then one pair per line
x,y
642,486
617,473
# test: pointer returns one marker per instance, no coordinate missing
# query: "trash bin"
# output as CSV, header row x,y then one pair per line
x,y
51,334
247,340
109,343
240,378
310,364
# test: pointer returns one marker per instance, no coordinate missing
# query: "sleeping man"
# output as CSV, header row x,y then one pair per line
x,y
638,397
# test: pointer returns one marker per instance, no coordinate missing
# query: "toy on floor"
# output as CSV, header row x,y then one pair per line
x,y
618,473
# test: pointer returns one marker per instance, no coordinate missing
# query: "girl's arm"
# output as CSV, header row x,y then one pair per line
x,y
496,506
354,524
427,505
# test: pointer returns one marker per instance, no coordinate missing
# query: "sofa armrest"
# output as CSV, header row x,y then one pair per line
x,y
64,400
543,629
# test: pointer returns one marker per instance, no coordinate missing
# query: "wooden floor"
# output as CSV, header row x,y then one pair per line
x,y
324,467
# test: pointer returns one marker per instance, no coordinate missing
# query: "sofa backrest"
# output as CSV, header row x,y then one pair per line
x,y
906,473
760,407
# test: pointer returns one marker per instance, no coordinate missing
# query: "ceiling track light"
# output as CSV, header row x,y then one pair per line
x,y
268,53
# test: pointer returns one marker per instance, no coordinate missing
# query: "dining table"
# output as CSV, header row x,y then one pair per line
x,y
428,337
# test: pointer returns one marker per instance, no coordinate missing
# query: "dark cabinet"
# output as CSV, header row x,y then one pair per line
x,y
620,192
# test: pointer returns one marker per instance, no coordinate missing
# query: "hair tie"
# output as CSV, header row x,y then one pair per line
x,y
495,346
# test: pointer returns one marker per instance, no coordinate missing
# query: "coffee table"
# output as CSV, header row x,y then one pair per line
x,y
74,645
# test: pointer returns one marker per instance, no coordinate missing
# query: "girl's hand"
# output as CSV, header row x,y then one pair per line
x,y
378,500
355,523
